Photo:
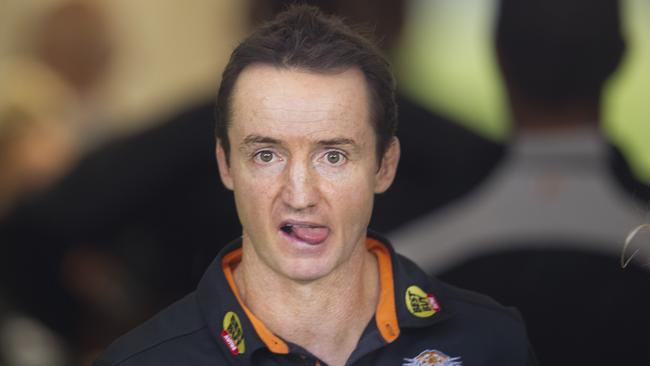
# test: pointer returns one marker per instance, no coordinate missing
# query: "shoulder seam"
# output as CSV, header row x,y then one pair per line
x,y
148,348
501,309
496,307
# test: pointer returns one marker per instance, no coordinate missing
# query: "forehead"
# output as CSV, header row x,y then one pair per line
x,y
268,99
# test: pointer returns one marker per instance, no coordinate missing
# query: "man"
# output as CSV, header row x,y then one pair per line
x,y
305,137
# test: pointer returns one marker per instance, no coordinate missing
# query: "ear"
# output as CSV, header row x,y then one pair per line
x,y
386,173
224,166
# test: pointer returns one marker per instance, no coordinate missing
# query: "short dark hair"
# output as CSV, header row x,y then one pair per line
x,y
557,51
303,37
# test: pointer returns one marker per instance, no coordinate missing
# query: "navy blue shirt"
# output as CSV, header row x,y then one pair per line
x,y
418,321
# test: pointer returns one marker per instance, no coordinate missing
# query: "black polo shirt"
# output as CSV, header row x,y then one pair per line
x,y
419,321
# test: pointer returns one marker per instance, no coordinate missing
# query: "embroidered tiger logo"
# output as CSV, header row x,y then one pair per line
x,y
432,358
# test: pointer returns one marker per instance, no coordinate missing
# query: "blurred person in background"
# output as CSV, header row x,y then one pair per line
x,y
71,258
124,232
545,232
48,124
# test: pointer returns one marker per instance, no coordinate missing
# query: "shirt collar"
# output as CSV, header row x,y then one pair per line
x,y
563,148
217,303
218,299
411,284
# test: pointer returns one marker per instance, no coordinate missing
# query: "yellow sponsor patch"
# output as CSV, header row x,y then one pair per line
x,y
419,303
233,333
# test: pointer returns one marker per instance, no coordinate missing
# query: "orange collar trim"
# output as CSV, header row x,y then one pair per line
x,y
385,313
273,342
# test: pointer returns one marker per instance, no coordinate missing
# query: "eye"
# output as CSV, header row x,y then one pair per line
x,y
335,157
264,156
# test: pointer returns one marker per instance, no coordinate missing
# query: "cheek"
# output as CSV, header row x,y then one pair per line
x,y
255,179
254,191
351,195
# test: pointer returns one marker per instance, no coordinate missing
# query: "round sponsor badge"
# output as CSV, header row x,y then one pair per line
x,y
419,303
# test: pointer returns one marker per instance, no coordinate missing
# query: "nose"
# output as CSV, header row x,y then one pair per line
x,y
300,191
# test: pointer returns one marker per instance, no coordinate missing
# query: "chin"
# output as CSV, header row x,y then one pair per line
x,y
307,270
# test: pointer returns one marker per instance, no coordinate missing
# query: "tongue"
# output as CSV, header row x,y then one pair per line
x,y
309,234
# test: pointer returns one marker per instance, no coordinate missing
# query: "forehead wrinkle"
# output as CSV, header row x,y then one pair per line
x,y
300,109
291,115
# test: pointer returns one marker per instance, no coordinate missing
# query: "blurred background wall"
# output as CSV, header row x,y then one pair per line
x,y
626,110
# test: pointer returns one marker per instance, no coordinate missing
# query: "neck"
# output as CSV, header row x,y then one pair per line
x,y
530,116
325,316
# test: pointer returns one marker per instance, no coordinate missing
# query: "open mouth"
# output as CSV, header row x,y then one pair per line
x,y
307,233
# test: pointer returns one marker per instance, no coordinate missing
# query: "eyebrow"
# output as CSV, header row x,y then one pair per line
x,y
259,139
338,142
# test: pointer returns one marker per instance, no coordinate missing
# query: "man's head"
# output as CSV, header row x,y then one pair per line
x,y
305,143
558,53
303,38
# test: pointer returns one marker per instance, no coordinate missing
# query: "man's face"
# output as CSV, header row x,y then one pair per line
x,y
303,167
